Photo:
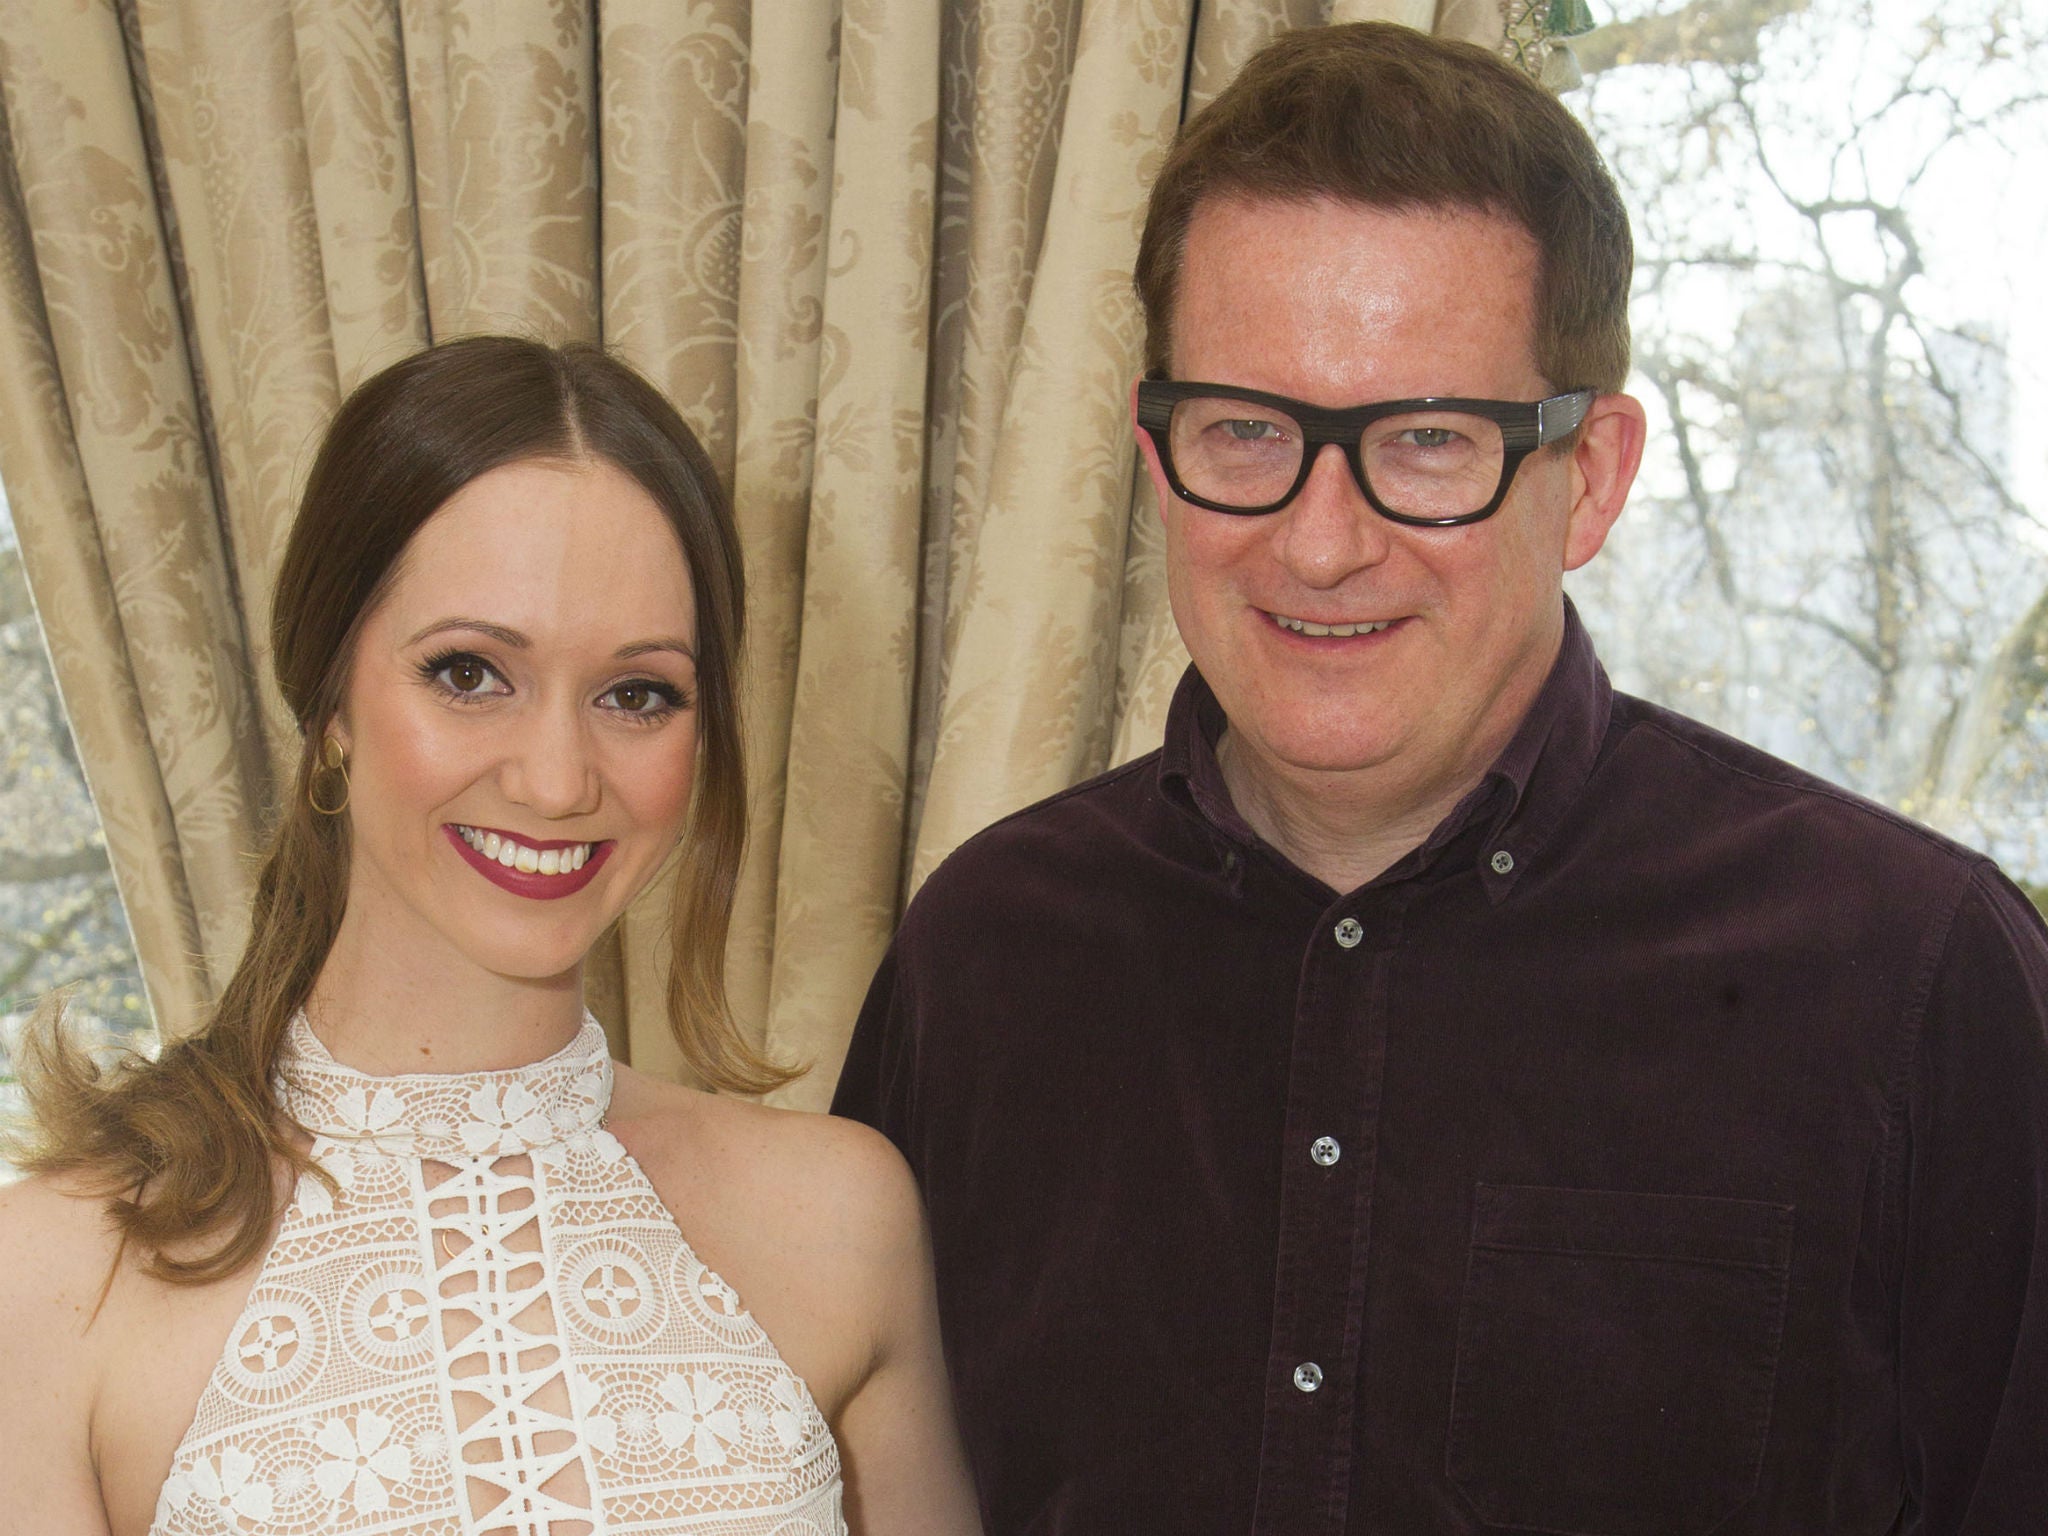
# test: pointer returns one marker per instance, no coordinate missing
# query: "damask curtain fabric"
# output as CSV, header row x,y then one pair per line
x,y
878,251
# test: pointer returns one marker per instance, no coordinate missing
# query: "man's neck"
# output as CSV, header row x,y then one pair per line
x,y
1345,828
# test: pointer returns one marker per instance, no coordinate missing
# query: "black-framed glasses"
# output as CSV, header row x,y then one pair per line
x,y
1431,463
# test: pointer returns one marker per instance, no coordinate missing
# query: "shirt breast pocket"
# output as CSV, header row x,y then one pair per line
x,y
1616,1359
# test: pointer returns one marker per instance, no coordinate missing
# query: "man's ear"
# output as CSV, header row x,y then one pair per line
x,y
1604,465
1162,493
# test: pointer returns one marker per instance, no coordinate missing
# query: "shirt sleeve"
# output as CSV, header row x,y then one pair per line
x,y
1973,1291
875,1086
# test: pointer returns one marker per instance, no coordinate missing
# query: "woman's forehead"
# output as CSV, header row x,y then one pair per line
x,y
547,548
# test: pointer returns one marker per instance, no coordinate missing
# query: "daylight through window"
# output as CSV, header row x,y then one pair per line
x,y
1836,549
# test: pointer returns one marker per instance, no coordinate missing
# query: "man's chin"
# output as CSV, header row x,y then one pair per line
x,y
1304,749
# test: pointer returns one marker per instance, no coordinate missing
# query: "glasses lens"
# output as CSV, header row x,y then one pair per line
x,y
1432,464
1235,452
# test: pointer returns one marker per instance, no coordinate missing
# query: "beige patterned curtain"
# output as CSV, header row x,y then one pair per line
x,y
878,251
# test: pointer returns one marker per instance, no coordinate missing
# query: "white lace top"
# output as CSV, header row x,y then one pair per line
x,y
494,1330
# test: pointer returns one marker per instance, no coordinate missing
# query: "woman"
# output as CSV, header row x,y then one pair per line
x,y
392,1245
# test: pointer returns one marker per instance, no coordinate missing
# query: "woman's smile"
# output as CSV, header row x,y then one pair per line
x,y
540,870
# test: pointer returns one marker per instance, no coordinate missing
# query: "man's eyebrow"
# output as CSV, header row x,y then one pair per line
x,y
519,642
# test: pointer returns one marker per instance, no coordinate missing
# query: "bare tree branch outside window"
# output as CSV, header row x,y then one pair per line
x,y
1837,548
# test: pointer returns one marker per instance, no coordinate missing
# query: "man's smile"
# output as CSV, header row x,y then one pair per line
x,y
1341,629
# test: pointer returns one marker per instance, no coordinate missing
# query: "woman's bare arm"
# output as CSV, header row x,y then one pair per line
x,y
906,1472
56,1251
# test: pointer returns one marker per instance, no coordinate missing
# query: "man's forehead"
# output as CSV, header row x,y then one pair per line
x,y
1367,223
1326,283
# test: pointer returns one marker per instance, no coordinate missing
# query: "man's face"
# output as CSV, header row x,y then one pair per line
x,y
1338,304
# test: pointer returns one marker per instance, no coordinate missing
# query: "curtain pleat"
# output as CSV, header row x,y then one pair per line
x,y
223,87
502,103
141,608
782,265
72,572
1037,597
849,750
877,252
352,92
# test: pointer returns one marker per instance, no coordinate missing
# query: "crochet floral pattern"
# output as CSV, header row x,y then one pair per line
x,y
490,1326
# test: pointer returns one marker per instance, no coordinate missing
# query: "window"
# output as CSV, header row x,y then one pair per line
x,y
60,916
1837,548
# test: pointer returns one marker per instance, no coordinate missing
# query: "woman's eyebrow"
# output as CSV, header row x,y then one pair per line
x,y
643,647
517,641
497,632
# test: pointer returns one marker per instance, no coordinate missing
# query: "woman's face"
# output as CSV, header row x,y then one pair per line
x,y
520,723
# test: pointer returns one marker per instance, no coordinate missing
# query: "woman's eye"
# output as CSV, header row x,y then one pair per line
x,y
464,676
643,698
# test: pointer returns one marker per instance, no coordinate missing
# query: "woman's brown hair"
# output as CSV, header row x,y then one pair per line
x,y
190,1148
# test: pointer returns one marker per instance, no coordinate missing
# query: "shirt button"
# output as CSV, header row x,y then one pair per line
x,y
1349,932
1308,1376
1325,1151
1503,862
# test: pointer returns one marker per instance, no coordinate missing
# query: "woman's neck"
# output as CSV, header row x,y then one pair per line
x,y
388,1003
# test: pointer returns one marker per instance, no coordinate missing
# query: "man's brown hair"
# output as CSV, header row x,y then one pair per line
x,y
1381,115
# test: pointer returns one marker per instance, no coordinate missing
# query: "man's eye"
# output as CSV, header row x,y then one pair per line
x,y
1247,430
1432,437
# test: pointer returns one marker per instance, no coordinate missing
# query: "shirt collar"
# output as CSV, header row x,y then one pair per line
x,y
1520,802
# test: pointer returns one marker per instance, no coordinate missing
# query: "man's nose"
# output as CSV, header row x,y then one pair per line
x,y
552,765
1331,530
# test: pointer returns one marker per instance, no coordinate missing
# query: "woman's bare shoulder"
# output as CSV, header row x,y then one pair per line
x,y
819,1168
816,1221
825,1218
60,1245
61,1249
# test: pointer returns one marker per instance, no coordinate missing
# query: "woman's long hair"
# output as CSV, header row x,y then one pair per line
x,y
190,1150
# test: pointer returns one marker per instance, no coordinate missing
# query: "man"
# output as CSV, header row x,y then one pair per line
x,y
1436,1093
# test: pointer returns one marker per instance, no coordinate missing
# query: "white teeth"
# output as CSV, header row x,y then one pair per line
x,y
553,861
1340,631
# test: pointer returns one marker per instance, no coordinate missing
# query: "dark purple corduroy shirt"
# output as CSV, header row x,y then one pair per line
x,y
1662,1148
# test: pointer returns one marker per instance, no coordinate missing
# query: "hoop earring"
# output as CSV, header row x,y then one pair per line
x,y
332,760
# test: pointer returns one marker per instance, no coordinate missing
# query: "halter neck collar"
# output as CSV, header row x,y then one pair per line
x,y
447,1116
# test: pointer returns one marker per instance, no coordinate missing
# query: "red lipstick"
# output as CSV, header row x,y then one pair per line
x,y
537,886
